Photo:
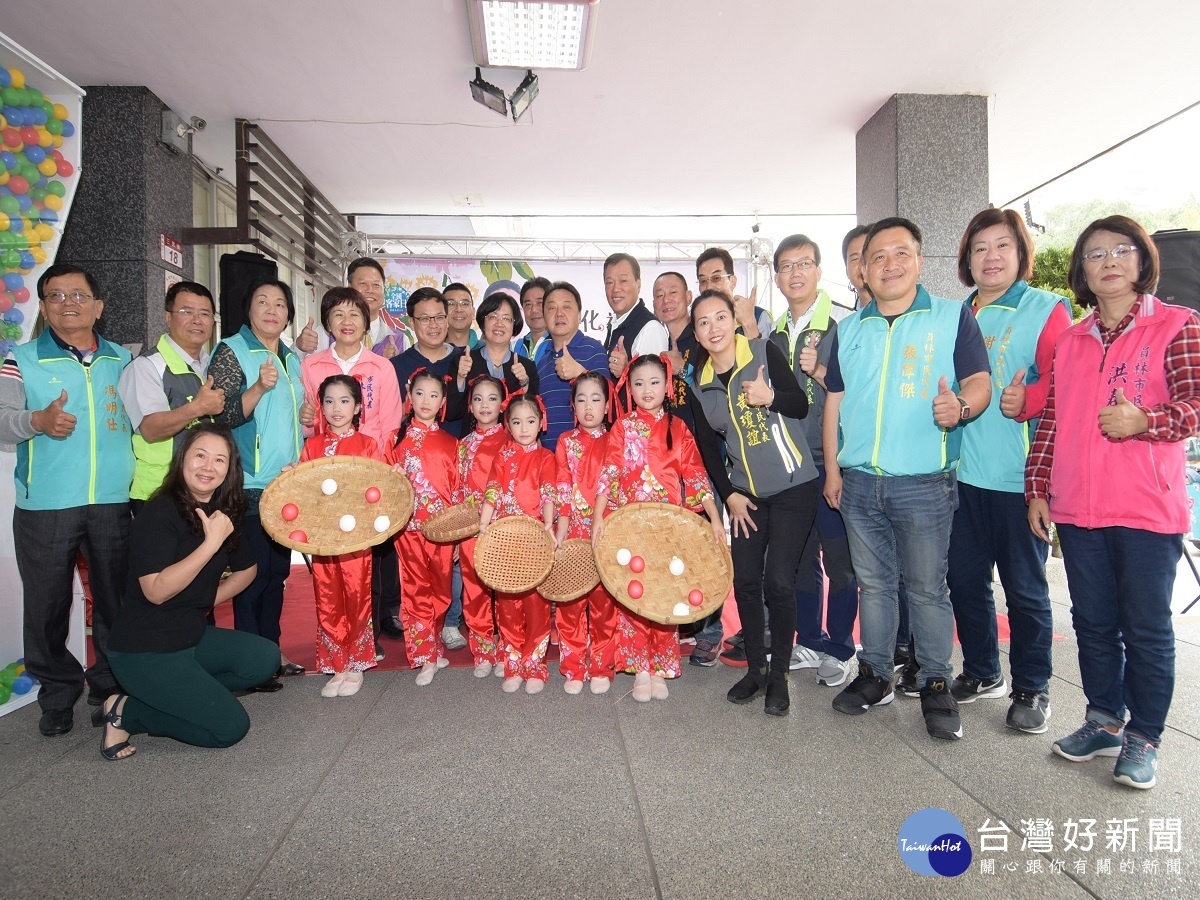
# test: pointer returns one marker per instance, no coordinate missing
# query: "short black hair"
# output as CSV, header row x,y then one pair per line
x,y
420,295
682,280
569,288
458,286
493,303
284,288
617,258
1148,264
716,253
893,222
793,242
187,287
538,282
339,295
856,232
58,270
364,262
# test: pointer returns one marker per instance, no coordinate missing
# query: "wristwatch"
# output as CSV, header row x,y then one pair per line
x,y
964,409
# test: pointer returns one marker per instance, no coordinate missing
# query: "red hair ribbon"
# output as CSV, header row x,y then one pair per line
x,y
478,378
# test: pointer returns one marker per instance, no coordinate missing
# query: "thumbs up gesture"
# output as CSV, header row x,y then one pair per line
x,y
209,400
808,360
267,375
518,370
567,367
306,342
618,359
946,410
54,421
758,392
743,313
389,347
464,369
308,412
1012,398
1122,419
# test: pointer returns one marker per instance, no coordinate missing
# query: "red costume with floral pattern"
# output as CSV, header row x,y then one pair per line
x,y
586,628
342,584
641,469
476,453
429,458
522,481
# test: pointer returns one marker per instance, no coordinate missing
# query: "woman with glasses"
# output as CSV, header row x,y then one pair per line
x,y
499,318
1107,466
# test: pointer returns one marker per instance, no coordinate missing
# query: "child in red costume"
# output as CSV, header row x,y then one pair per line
x,y
429,457
592,620
652,458
342,584
523,482
476,453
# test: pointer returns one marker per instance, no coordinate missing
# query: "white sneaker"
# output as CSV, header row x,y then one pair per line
x,y
330,688
351,684
453,638
601,685
483,670
803,658
425,676
832,671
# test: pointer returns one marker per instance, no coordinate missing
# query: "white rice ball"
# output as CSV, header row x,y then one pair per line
x,y
347,523
676,566
328,487
382,524
623,557
681,609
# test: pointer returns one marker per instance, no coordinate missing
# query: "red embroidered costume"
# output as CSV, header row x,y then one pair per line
x,y
643,470
476,454
342,584
522,481
593,620
429,458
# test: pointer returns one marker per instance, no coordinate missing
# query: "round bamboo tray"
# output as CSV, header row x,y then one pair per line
x,y
657,533
514,555
320,514
574,573
452,524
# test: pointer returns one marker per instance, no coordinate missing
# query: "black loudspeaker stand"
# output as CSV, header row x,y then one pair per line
x,y
1179,263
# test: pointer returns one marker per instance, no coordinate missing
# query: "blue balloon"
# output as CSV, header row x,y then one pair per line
x,y
24,683
8,160
35,154
24,201
14,317
13,281
68,128
12,115
5,78
5,346
16,223
27,260
49,216
39,116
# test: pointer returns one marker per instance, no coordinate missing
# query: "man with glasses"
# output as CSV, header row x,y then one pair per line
x,y
166,390
460,313
428,313
714,272
387,333
60,405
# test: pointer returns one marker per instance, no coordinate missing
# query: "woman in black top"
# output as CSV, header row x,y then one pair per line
x,y
177,669
499,319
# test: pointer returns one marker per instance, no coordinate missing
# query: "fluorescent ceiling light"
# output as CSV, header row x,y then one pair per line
x,y
556,34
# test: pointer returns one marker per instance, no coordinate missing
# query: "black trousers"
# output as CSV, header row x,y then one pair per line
x,y
765,565
47,544
385,583
257,609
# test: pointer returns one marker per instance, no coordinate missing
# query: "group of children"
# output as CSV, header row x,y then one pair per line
x,y
648,455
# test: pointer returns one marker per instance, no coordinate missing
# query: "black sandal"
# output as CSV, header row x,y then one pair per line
x,y
113,718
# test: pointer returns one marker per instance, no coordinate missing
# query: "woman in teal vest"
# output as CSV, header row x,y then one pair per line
x,y
1019,324
750,397
260,375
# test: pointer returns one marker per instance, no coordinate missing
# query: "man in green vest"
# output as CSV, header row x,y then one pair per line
x,y
166,390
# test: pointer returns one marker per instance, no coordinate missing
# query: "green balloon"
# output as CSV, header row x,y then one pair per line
x,y
35,96
53,125
47,107
10,259
57,188
29,172
37,195
9,205
10,96
12,332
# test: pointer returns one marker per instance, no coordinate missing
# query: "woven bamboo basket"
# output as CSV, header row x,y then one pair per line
x,y
452,524
574,572
514,555
656,533
320,514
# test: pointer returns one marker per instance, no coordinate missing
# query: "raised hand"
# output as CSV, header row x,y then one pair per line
x,y
1123,419
308,413
389,348
209,400
306,342
54,421
518,370
758,392
808,360
1012,398
567,367
217,527
464,367
268,375
618,359
946,409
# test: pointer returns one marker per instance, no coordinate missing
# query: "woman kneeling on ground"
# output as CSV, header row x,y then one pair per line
x,y
177,670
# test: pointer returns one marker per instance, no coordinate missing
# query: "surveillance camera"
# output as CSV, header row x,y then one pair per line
x,y
198,123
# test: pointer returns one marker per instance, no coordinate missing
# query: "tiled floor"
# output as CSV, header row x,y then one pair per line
x,y
459,791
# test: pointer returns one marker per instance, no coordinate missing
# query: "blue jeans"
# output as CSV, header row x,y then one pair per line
x,y
454,613
1120,581
991,528
893,522
837,615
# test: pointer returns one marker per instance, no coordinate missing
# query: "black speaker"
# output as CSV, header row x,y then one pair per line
x,y
1179,267
239,271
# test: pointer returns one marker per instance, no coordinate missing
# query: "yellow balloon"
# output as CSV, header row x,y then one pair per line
x,y
3,221
44,231
32,237
60,111
45,138
48,167
56,141
53,201
3,179
3,122
39,255
18,78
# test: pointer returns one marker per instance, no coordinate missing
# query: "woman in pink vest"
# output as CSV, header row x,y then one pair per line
x,y
1107,467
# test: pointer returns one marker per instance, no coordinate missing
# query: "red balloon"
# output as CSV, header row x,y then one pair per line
x,y
373,494
29,136
12,138
57,154
289,512
18,185
65,169
696,598
21,295
634,589
298,536
637,564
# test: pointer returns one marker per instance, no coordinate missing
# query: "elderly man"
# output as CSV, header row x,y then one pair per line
x,y
166,391
563,358
59,404
387,333
633,330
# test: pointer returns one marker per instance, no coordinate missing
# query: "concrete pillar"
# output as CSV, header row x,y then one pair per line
x,y
132,190
925,157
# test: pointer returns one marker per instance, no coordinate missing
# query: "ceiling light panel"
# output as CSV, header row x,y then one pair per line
x,y
552,35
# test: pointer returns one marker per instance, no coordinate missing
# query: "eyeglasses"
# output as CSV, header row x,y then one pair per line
x,y
63,296
460,302
713,279
188,313
496,317
1118,252
802,264
430,320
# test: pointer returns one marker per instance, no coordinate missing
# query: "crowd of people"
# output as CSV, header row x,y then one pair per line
x,y
874,465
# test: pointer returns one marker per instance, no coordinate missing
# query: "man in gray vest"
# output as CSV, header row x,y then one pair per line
x,y
166,390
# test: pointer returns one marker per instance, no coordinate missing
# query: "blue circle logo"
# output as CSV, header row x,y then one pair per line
x,y
932,842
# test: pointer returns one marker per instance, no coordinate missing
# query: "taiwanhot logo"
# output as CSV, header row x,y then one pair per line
x,y
932,842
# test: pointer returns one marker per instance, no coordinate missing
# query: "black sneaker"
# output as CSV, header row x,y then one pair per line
x,y
901,659
1029,711
866,690
906,681
735,641
968,688
940,710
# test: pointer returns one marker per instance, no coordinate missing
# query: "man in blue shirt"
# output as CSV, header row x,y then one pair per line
x,y
564,357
